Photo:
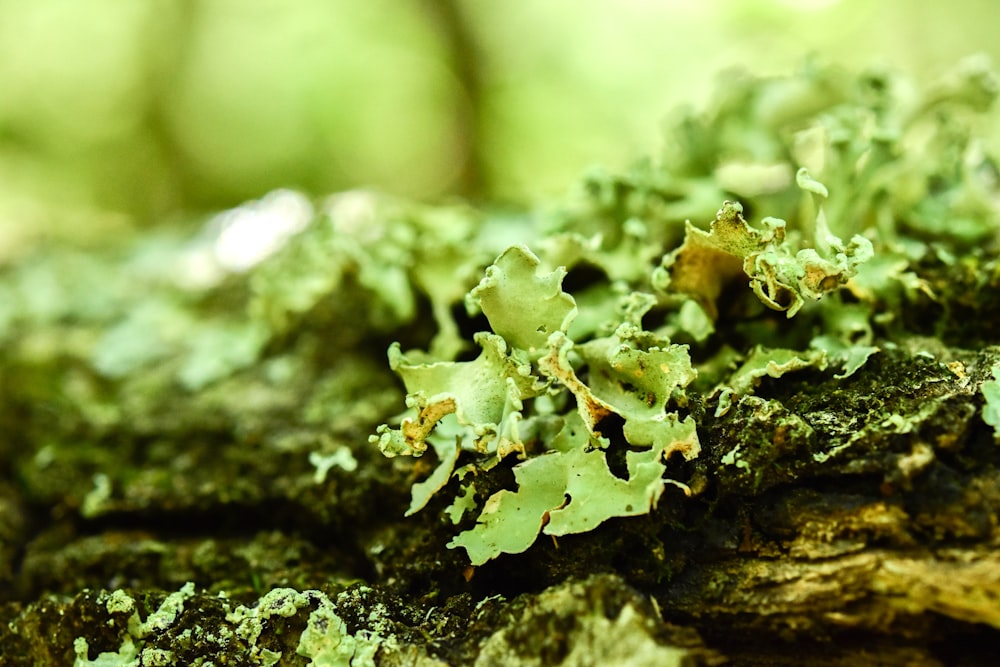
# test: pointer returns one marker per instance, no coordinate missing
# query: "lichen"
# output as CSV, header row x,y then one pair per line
x,y
281,623
632,375
991,394
133,650
586,380
172,414
327,643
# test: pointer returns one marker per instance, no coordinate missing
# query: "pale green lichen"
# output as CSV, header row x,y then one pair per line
x,y
485,395
133,651
569,489
325,639
522,305
96,500
327,643
850,357
165,615
340,458
464,502
120,602
781,277
126,656
535,360
510,521
991,394
421,492
249,621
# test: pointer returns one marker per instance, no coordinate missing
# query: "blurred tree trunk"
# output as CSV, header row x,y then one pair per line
x,y
465,61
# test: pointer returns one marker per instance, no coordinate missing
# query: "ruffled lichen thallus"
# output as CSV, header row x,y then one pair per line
x,y
542,388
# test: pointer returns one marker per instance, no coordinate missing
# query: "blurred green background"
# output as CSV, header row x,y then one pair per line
x,y
117,113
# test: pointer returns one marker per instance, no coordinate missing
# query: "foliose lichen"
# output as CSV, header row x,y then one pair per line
x,y
596,338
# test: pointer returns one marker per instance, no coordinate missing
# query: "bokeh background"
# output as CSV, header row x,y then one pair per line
x,y
120,113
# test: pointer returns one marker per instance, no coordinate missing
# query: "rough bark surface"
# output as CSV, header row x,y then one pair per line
x,y
856,524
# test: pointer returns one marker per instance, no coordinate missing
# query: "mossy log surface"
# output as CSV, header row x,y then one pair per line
x,y
858,523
